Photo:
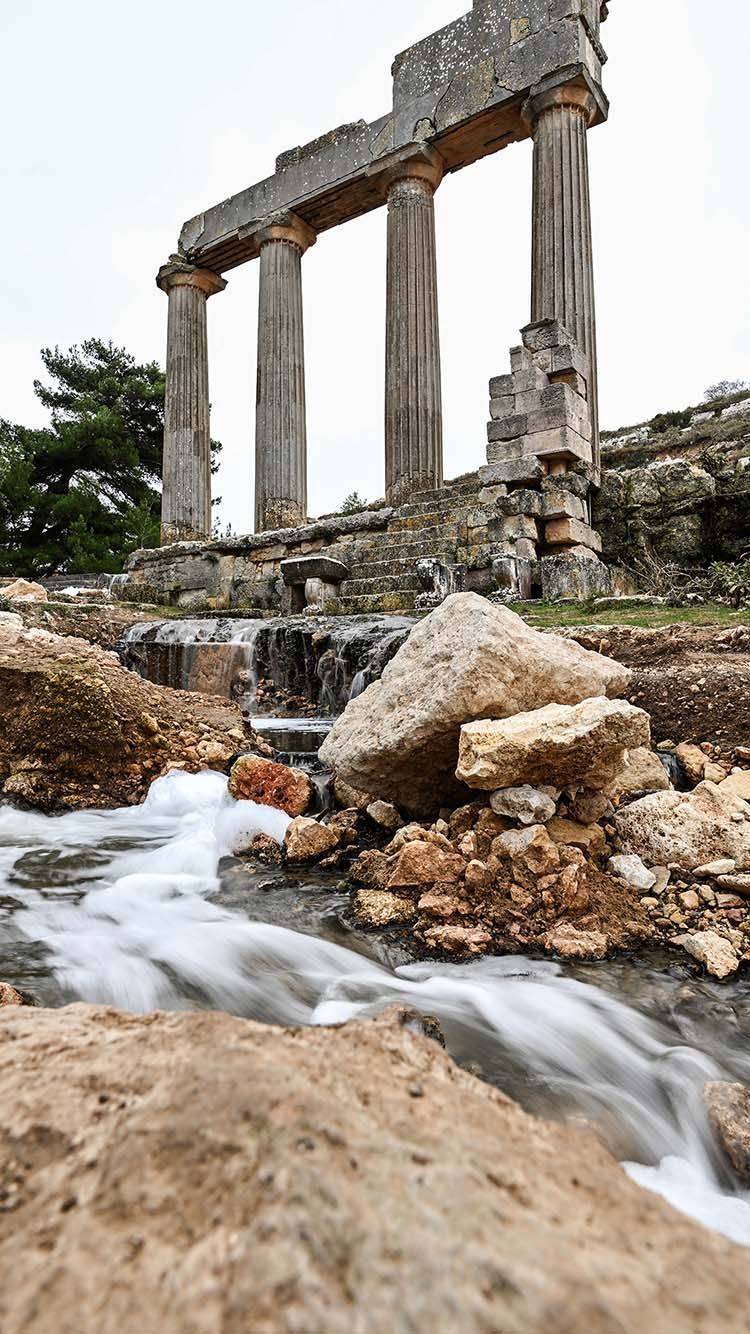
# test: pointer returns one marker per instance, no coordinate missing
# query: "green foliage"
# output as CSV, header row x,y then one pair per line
x,y
667,421
354,504
81,494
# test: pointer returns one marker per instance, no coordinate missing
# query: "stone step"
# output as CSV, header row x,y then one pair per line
x,y
405,551
386,583
400,602
467,488
417,523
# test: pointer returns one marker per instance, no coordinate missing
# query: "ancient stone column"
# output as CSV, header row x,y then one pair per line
x,y
413,394
562,282
280,421
186,469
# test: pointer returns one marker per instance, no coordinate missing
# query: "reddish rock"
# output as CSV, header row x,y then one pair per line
x,y
270,784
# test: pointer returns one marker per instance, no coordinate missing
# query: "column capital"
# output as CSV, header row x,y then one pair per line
x,y
284,226
417,162
179,273
577,96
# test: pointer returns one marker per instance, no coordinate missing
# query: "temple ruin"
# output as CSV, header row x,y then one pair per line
x,y
507,71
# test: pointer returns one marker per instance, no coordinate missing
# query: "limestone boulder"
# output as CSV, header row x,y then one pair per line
x,y
254,778
468,660
690,829
561,744
422,863
24,590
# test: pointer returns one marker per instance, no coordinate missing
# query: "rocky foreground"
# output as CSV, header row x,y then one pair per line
x,y
196,1172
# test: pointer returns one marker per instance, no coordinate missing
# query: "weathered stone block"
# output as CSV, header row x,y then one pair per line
x,y
571,575
562,441
570,359
520,502
512,528
528,468
500,451
529,400
520,359
560,503
502,385
543,334
510,428
503,407
571,532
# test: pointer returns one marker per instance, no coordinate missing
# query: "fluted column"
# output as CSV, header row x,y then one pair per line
x,y
413,394
186,469
562,282
280,419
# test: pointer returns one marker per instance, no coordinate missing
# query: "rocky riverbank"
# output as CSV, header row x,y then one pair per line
x,y
234,1176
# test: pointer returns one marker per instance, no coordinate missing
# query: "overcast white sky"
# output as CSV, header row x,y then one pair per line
x,y
121,121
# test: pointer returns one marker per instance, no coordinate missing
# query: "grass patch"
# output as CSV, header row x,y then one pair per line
x,y
548,615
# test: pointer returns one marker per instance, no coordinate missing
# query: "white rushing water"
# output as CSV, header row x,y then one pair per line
x,y
123,904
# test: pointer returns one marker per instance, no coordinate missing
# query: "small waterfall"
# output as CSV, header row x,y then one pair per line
x,y
281,667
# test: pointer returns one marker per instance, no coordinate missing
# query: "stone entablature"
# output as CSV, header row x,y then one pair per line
x,y
508,70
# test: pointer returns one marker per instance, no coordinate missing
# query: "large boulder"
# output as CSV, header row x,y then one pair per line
x,y
690,829
563,745
78,730
468,660
235,1176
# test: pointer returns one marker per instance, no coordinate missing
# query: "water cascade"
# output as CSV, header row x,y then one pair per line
x,y
143,908
283,667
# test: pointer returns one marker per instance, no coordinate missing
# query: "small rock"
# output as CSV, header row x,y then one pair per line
x,y
385,814
690,901
650,903
729,1113
662,875
149,724
570,943
589,806
307,841
377,907
590,838
712,950
422,863
693,761
633,871
723,866
735,884
9,995
459,940
528,805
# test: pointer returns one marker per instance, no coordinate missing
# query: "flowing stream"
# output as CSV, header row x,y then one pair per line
x,y
147,908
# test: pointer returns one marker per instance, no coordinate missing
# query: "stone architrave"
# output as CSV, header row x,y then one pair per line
x,y
413,392
186,494
562,282
280,421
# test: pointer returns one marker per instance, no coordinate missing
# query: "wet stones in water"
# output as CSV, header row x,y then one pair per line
x,y
729,1113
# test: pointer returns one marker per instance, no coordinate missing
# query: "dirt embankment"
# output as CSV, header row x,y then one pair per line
x,y
196,1172
693,681
77,730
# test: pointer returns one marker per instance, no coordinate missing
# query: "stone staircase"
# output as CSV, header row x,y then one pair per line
x,y
433,523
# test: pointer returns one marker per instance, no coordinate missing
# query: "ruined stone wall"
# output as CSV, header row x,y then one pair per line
x,y
682,496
